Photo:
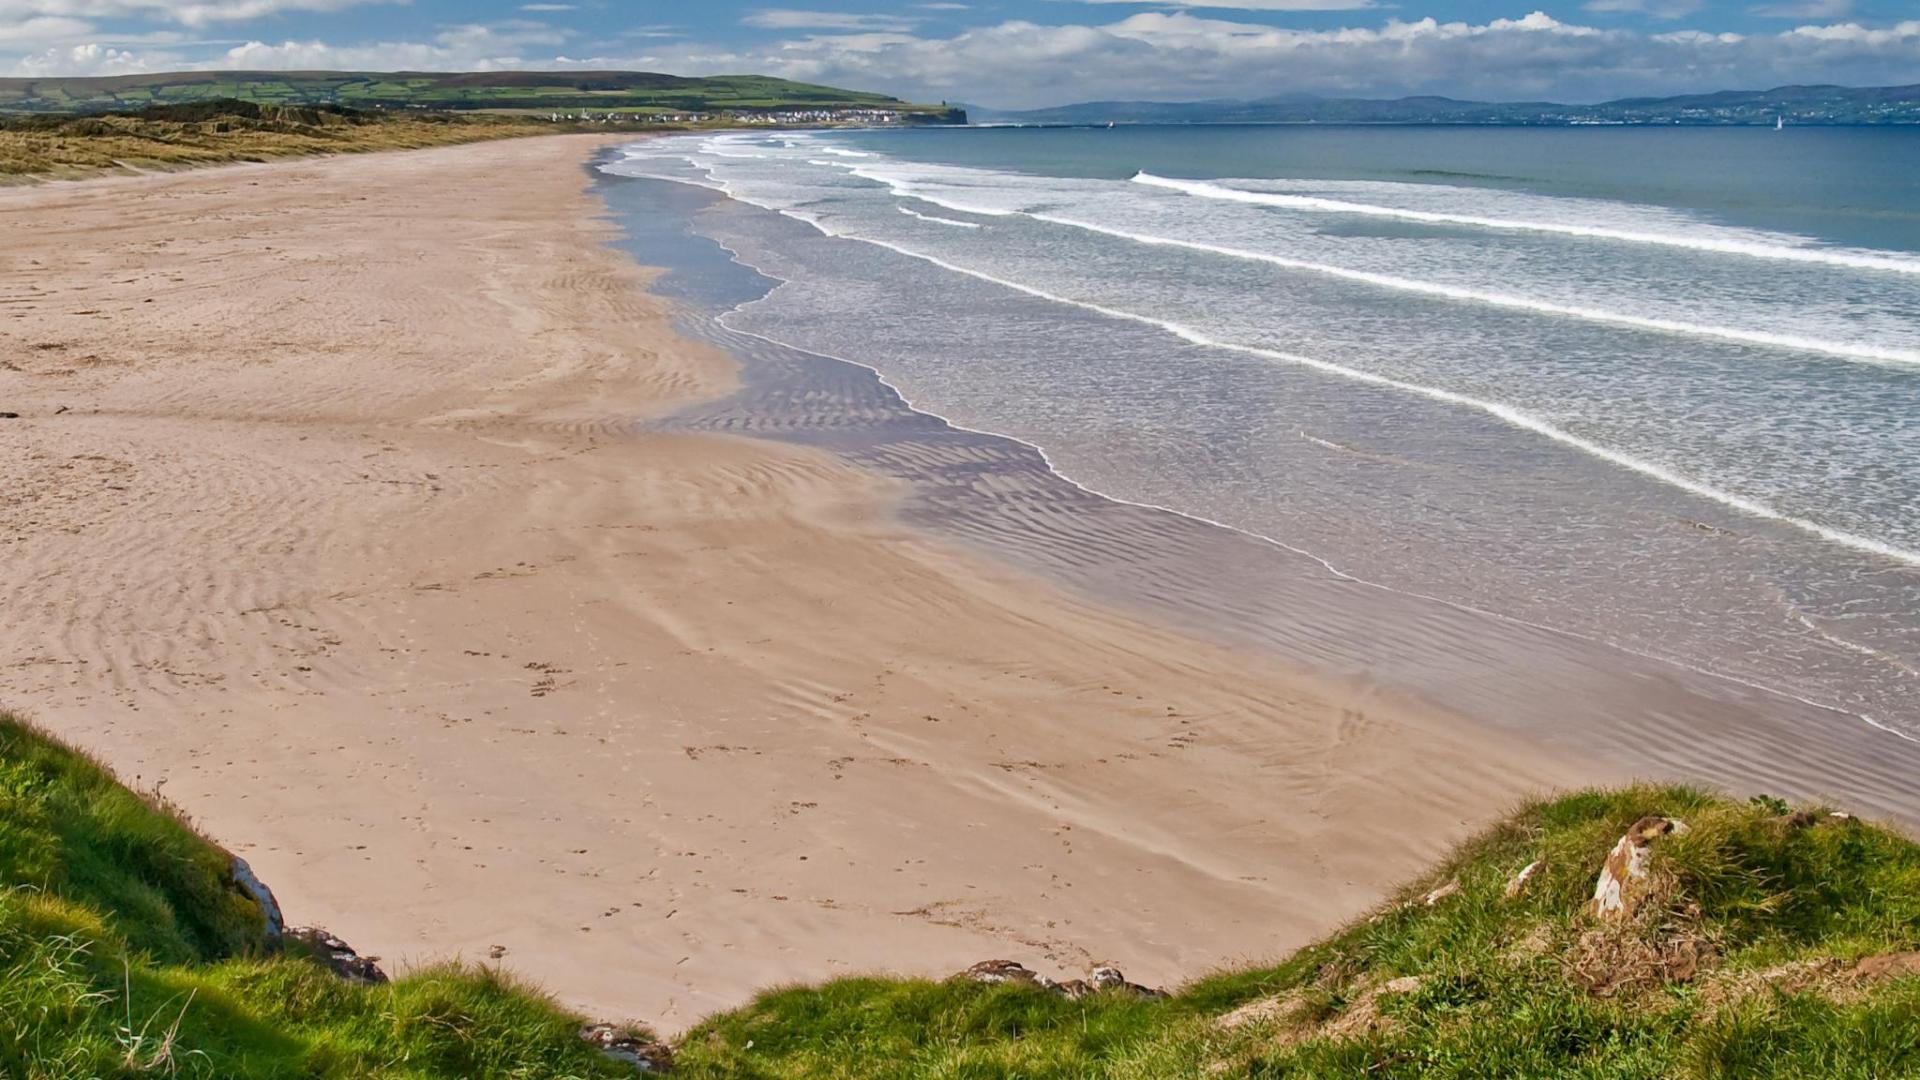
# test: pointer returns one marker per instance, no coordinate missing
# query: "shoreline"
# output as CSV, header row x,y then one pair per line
x,y
1615,709
351,538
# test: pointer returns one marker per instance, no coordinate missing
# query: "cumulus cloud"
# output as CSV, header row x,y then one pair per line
x,y
1168,55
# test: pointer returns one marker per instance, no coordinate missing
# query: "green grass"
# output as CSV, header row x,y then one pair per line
x,y
1506,988
225,130
126,950
441,91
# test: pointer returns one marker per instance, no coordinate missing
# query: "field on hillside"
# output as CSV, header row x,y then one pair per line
x,y
439,90
225,131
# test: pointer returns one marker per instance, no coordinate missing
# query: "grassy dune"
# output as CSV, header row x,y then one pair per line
x,y
226,131
1769,944
1742,964
126,950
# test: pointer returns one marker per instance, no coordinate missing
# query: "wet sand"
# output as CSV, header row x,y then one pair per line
x,y
344,503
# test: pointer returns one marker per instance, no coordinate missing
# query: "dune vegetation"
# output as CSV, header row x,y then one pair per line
x,y
1753,940
220,131
1768,943
127,949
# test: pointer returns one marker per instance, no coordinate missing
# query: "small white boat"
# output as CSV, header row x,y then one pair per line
x,y
1779,122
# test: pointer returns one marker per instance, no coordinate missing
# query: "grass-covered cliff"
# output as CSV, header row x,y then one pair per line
x,y
1766,945
127,949
1760,942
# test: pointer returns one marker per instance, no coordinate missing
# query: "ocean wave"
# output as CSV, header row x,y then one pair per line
x,y
1749,248
936,219
1848,350
1508,414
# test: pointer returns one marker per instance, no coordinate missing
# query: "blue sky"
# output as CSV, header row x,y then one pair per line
x,y
1019,52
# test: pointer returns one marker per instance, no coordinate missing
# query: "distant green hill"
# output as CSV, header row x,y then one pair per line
x,y
638,91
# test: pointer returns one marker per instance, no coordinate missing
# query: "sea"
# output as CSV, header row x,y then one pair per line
x,y
1650,390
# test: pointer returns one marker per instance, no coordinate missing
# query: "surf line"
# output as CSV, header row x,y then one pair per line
x,y
721,322
1506,413
1750,249
1846,350
1873,354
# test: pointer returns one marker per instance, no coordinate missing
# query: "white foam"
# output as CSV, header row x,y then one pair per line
x,y
1848,350
939,220
1506,413
1750,248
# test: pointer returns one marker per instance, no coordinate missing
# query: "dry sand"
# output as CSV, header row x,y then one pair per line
x,y
329,510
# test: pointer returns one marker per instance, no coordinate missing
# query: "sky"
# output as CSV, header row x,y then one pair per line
x,y
1018,53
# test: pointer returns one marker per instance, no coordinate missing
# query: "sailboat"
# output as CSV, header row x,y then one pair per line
x,y
1779,122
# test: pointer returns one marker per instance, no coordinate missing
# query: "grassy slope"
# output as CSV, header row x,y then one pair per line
x,y
1507,988
398,90
218,132
125,950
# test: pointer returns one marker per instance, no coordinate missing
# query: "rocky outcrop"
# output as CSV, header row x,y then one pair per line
x,y
1624,883
337,955
1517,887
250,883
1101,980
643,1052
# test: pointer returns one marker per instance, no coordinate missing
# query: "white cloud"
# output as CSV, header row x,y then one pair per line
x,y
1171,55
1804,9
184,12
796,19
1656,9
549,7
1255,5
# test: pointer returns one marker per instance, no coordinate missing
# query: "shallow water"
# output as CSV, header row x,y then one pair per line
x,y
1375,482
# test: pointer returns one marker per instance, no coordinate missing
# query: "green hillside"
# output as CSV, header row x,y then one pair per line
x,y
514,90
1765,944
1753,941
127,949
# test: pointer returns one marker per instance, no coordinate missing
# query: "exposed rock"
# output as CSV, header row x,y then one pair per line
x,y
1000,971
1405,984
9,416
251,884
338,955
1518,885
641,1051
1623,882
1101,980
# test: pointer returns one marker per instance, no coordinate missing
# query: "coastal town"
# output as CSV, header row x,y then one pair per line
x,y
842,117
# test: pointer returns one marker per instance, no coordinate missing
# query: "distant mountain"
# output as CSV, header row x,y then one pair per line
x,y
502,91
1793,104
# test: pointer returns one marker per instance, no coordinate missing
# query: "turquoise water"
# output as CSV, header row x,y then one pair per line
x,y
1655,388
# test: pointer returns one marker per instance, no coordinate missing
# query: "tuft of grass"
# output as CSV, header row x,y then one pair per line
x,y
127,950
1523,987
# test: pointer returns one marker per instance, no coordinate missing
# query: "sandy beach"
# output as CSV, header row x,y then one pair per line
x,y
333,514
